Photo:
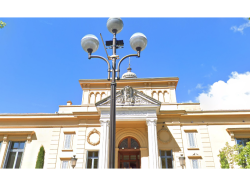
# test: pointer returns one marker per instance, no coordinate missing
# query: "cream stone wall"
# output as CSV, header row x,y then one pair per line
x,y
173,123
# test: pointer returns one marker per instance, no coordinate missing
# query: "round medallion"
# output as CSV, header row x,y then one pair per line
x,y
164,135
93,137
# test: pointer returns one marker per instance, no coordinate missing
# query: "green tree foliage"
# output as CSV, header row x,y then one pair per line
x,y
235,155
2,24
229,152
243,157
40,158
223,160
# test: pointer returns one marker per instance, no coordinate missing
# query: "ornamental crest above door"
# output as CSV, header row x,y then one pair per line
x,y
129,97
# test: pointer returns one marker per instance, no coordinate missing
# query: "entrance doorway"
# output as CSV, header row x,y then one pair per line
x,y
129,154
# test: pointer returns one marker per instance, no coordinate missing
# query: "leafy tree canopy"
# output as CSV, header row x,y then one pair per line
x,y
2,24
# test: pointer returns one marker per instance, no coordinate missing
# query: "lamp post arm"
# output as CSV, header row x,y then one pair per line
x,y
96,56
118,68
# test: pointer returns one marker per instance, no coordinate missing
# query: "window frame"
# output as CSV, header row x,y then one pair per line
x,y
9,150
198,163
195,139
166,157
71,141
68,165
92,158
239,139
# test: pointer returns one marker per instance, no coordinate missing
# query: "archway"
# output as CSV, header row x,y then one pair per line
x,y
129,153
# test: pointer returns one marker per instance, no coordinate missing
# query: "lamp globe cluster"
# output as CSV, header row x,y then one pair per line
x,y
90,42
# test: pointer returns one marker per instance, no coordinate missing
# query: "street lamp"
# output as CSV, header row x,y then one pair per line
x,y
73,161
90,44
182,161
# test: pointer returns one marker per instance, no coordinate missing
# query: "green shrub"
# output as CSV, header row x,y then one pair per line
x,y
223,160
40,158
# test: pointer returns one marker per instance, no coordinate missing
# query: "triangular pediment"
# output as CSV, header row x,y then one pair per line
x,y
129,97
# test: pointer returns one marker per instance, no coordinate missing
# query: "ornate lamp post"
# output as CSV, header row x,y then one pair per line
x,y
182,161
90,44
73,161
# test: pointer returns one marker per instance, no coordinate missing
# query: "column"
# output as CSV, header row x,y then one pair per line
x,y
3,150
104,150
152,143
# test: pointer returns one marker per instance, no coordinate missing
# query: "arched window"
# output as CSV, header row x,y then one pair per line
x,y
92,99
98,97
103,95
129,143
166,97
161,97
155,95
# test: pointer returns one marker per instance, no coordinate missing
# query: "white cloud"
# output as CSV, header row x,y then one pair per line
x,y
234,94
241,27
189,91
188,101
199,86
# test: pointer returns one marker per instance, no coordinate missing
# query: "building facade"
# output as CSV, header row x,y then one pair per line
x,y
152,129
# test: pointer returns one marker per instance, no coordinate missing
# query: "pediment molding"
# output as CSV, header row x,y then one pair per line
x,y
129,97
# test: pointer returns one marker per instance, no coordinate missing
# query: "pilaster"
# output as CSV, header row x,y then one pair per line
x,y
153,143
104,150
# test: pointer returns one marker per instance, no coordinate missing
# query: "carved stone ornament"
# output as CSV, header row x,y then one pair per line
x,y
164,135
129,97
94,131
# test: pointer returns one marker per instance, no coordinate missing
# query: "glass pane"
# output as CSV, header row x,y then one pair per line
x,y
96,154
18,160
138,156
191,139
65,164
89,163
95,163
195,164
90,154
120,157
132,157
168,153
169,163
67,141
21,145
163,162
163,153
132,165
11,160
124,144
15,145
134,144
125,157
120,164
126,164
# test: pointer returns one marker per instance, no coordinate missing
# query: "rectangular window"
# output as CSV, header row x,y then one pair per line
x,y
14,155
0,146
68,141
65,164
191,140
195,164
242,141
92,160
166,159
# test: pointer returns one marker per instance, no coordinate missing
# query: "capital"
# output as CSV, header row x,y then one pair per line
x,y
104,122
151,121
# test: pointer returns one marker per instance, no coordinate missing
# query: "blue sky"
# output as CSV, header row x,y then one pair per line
x,y
42,59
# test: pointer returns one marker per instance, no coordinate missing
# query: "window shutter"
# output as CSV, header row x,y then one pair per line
x,y
67,141
7,154
195,164
191,139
